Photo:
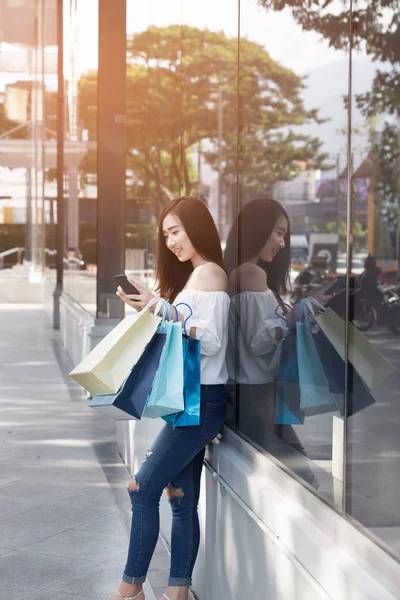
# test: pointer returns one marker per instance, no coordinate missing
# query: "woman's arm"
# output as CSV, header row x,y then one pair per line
x,y
252,278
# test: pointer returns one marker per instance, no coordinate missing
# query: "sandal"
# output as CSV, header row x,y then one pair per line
x,y
118,596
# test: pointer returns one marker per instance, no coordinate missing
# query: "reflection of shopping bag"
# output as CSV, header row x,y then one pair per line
x,y
191,389
167,393
130,401
315,397
358,395
287,402
107,366
369,363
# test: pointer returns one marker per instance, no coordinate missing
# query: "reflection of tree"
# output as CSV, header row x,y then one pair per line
x,y
375,30
386,151
174,77
359,234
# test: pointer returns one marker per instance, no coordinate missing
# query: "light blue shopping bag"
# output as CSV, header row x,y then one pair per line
x,y
190,416
315,396
167,392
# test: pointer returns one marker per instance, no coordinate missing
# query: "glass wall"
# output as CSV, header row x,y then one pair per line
x,y
372,457
80,150
244,103
292,145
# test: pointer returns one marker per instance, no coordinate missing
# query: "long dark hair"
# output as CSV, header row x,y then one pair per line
x,y
252,229
171,273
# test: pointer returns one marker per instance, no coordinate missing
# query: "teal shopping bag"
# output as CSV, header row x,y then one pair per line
x,y
287,400
167,392
315,396
191,382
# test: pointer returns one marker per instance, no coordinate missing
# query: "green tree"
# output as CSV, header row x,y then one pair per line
x,y
386,152
178,78
375,29
359,234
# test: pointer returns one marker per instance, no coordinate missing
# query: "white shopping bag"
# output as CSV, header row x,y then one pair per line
x,y
106,367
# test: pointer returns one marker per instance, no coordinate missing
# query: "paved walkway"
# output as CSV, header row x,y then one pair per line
x,y
64,509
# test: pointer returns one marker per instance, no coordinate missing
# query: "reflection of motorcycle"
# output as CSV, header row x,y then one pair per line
x,y
388,310
385,307
307,280
364,316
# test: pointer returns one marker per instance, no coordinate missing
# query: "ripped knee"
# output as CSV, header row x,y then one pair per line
x,y
133,485
174,492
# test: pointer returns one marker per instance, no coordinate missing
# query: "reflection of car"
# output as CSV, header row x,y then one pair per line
x,y
357,266
389,277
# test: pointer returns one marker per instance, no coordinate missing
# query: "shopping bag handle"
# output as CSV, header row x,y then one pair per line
x,y
307,304
176,314
280,316
161,303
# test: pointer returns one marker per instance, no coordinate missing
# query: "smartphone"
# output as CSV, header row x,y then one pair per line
x,y
122,281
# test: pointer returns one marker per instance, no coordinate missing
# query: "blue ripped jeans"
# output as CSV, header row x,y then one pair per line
x,y
176,459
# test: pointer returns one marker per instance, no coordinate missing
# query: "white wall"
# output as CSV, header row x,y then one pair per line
x,y
263,535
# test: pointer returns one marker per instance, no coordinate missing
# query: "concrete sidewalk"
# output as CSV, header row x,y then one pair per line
x,y
64,509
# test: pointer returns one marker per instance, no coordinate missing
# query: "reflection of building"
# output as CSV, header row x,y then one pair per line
x,y
361,190
301,189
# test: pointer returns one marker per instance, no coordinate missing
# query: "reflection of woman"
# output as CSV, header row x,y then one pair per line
x,y
369,280
257,258
189,269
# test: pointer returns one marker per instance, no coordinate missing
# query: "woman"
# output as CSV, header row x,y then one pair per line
x,y
189,269
257,258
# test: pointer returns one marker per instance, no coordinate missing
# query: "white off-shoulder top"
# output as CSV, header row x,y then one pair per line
x,y
210,317
254,353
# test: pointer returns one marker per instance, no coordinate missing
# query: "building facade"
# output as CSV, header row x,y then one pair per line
x,y
233,101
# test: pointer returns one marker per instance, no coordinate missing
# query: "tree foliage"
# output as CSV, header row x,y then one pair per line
x,y
386,151
359,234
375,29
178,78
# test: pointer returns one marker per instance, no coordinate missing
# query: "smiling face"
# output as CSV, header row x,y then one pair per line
x,y
276,240
177,240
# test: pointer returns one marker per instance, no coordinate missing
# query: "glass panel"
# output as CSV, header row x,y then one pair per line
x,y
292,148
50,57
26,94
154,126
80,155
17,74
209,102
373,441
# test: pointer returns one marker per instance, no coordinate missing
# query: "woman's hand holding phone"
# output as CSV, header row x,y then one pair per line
x,y
137,301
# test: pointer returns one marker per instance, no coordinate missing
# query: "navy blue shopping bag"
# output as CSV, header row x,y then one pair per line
x,y
130,400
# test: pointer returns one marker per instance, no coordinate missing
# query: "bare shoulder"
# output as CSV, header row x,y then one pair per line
x,y
248,278
211,278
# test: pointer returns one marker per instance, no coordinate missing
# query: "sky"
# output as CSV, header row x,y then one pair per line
x,y
286,42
